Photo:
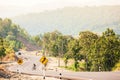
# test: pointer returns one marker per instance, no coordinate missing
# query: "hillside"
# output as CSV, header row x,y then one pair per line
x,y
72,20
29,46
14,37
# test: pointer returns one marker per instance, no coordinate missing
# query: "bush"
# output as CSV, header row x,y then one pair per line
x,y
72,67
116,67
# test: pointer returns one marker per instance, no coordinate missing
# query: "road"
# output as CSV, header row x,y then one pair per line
x,y
29,60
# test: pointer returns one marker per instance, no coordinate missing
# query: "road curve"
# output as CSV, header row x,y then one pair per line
x,y
29,60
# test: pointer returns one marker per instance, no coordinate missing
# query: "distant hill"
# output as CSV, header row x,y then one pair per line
x,y
72,20
15,37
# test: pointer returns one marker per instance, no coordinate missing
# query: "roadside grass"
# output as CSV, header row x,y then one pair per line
x,y
72,68
116,67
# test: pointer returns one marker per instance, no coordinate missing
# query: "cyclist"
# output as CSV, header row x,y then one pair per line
x,y
34,66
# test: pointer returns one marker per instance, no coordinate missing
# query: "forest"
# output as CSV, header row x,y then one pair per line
x,y
9,38
99,52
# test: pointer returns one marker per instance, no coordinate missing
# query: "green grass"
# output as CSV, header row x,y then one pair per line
x,y
72,68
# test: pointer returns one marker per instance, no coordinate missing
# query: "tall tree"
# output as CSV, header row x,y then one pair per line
x,y
87,39
105,51
112,52
74,52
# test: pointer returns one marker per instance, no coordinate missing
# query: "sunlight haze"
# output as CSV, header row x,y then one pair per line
x,y
11,8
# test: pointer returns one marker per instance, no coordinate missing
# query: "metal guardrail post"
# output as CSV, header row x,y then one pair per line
x,y
60,76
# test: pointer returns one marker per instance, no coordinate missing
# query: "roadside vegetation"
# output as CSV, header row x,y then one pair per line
x,y
116,67
9,39
99,52
90,51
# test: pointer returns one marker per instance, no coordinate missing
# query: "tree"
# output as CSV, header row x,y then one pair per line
x,y
87,39
6,24
112,50
105,51
73,50
51,42
38,40
2,49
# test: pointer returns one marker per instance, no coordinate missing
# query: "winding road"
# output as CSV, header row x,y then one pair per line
x,y
29,60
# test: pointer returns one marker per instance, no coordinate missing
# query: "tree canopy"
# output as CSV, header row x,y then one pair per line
x,y
99,52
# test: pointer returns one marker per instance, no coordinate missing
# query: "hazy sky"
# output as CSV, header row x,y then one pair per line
x,y
10,8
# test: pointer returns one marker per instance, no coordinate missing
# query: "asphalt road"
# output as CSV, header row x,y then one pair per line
x,y
29,60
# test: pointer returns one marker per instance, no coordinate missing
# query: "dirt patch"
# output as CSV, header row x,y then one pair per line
x,y
28,77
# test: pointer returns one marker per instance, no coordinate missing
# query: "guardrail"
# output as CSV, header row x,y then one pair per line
x,y
55,76
5,62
